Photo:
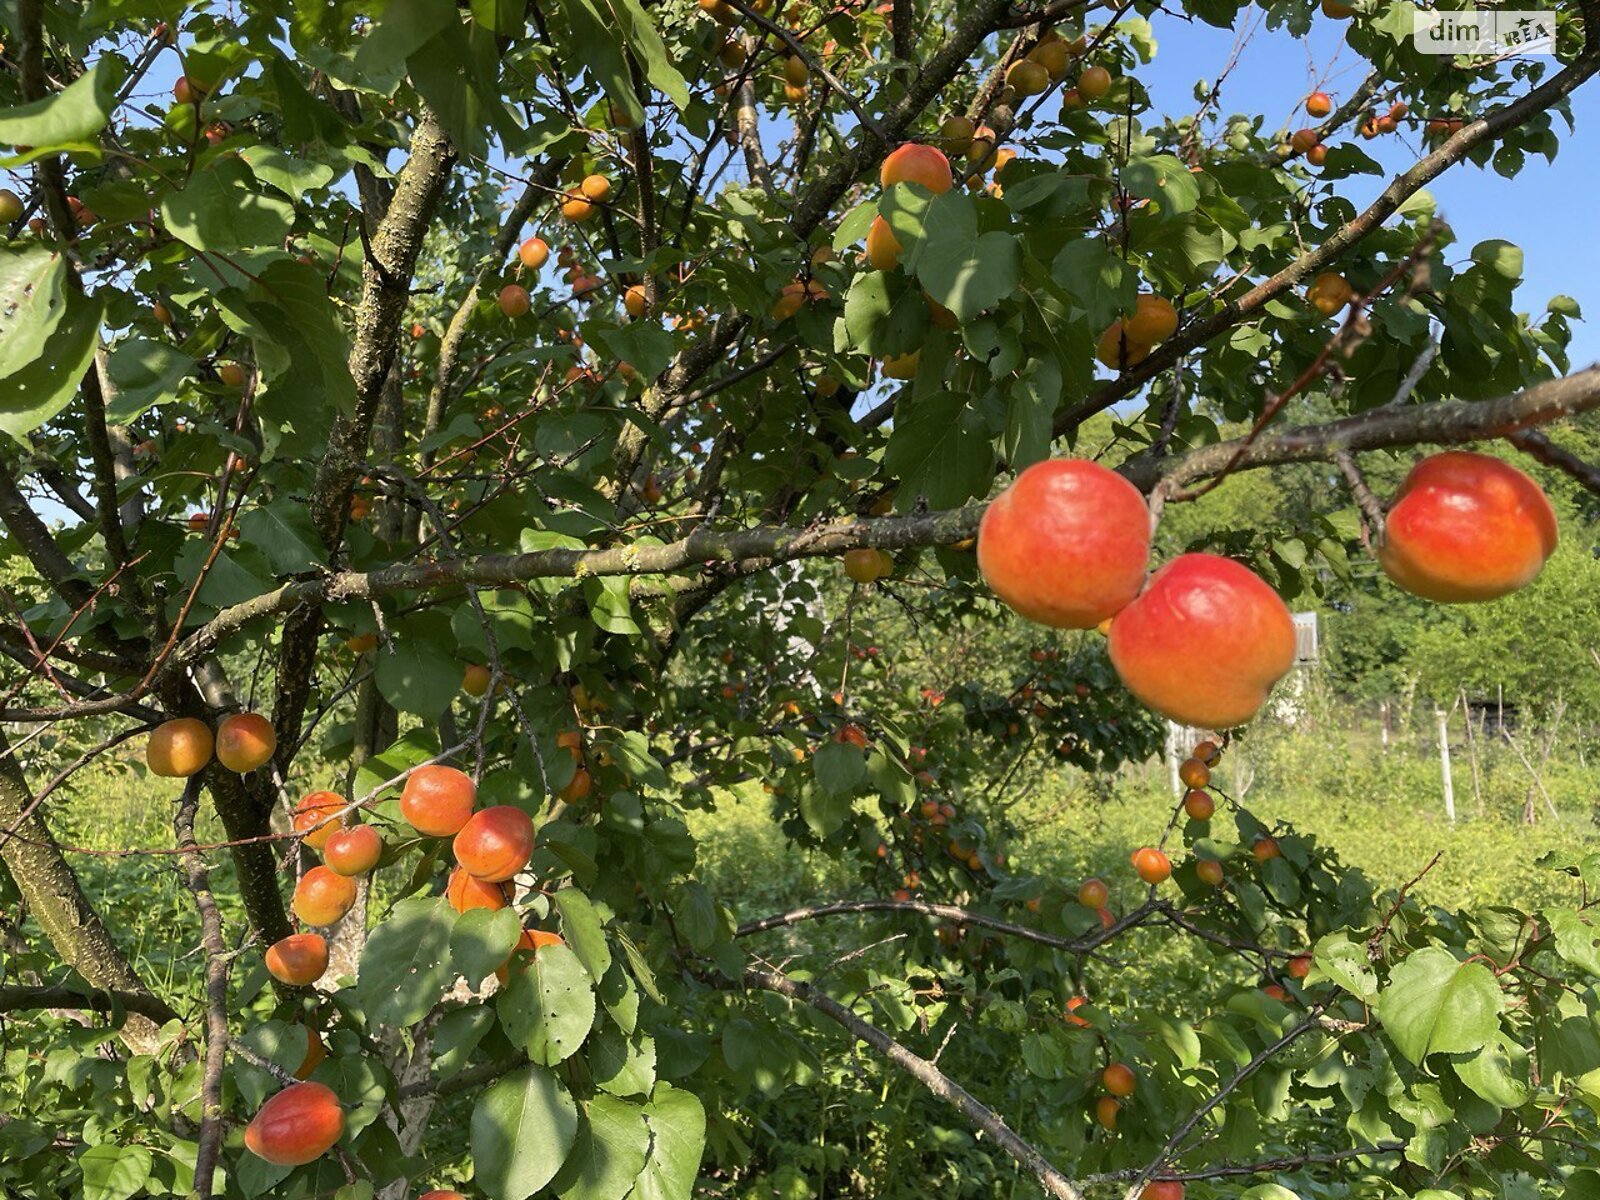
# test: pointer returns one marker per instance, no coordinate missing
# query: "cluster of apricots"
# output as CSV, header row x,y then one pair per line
x,y
866,565
183,747
1203,639
1127,341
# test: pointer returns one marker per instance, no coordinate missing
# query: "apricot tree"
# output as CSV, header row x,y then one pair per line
x,y
442,580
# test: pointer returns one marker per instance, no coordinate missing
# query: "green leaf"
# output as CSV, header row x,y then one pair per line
x,y
31,396
403,29
1435,1004
623,1065
1268,1191
143,373
1346,964
221,209
507,18
584,931
1030,412
1577,939
481,942
677,1140
549,1006
522,1130
417,668
1500,256
282,530
71,118
1498,1073
114,1172
939,448
608,1153
457,1035
1163,179
969,277
597,39
636,26
33,299
1098,281
294,177
840,768
405,966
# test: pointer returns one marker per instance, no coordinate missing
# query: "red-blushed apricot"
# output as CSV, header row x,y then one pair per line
x,y
438,800
514,300
475,679
883,249
1277,993
1118,1079
1073,1005
1300,966
496,843
298,960
180,748
298,1125
319,812
1207,752
533,253
532,941
913,163
1152,865
1107,918
1162,1189
441,1196
1467,527
1093,893
1067,544
1204,642
466,892
1317,155
1105,1111
1209,872
353,851
1264,848
1319,104
232,374
1303,139
245,741
1199,804
315,1053
1193,773
323,896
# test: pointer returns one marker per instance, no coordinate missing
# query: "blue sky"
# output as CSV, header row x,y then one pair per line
x,y
1545,210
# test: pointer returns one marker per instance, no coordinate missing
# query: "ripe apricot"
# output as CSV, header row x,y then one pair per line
x,y
595,188
795,71
1204,642
441,1196
575,207
1107,917
1207,752
514,300
316,813
1337,9
180,748
578,787
1066,544
315,1053
1118,350
883,249
1319,104
1329,292
187,91
496,843
298,960
1209,871
353,851
322,896
438,800
245,741
915,163
532,940
464,892
1152,865
533,253
1093,893
1073,1005
864,564
1194,773
1105,1111
1162,1189
296,1126
475,679
1317,155
1118,1079
1276,992
902,366
1303,139
1467,527
1054,57
1094,83
1265,848
634,302
1300,966
1199,805
231,374
1154,320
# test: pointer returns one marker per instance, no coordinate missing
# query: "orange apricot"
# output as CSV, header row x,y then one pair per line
x,y
353,851
322,896
1467,527
316,813
245,741
1194,773
465,892
438,800
914,163
495,843
296,1126
1118,1079
1204,642
475,679
1093,893
180,748
298,960
1066,544
1152,865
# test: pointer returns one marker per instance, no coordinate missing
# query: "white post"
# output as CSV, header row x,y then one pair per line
x,y
1443,719
1172,760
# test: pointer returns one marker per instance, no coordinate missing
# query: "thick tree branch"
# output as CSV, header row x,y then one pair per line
x,y
24,998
